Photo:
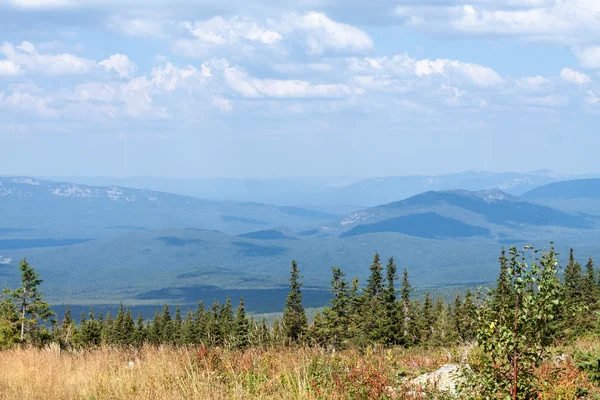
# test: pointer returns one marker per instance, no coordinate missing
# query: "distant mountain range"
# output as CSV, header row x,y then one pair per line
x,y
34,208
146,246
573,189
332,194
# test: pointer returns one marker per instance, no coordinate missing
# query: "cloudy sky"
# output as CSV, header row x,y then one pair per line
x,y
265,88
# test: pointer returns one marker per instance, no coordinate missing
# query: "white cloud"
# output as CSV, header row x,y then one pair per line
x,y
222,103
28,102
26,56
592,99
119,63
322,34
137,27
572,76
533,83
9,68
563,21
547,101
169,77
247,86
457,72
35,4
589,57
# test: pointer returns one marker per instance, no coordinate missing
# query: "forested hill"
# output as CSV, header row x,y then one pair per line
x,y
573,189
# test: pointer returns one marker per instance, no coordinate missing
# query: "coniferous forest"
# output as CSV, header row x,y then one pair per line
x,y
506,334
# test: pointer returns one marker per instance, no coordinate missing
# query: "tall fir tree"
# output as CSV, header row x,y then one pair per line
x,y
294,320
241,326
140,333
33,310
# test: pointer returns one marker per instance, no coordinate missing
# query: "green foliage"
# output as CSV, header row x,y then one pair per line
x,y
294,318
514,339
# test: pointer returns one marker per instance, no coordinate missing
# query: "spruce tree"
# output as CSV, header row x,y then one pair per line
x,y
468,317
93,330
375,281
213,328
32,308
155,332
226,320
294,317
189,334
241,327
140,333
426,319
573,281
200,323
9,320
589,287
128,329
167,331
404,309
177,326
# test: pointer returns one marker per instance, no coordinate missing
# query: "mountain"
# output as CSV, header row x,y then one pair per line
x,y
337,195
573,189
460,214
36,209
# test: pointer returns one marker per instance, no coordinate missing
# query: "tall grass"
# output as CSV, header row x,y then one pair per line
x,y
258,373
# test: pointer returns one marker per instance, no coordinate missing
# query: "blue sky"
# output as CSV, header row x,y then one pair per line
x,y
287,88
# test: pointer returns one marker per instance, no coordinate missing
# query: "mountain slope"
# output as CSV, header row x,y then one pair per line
x,y
45,209
573,189
457,213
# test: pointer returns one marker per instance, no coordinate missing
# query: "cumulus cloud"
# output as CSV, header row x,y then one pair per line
x,y
222,103
9,68
247,86
533,83
589,57
169,77
452,70
322,34
27,57
592,99
564,21
27,102
573,76
119,63
137,27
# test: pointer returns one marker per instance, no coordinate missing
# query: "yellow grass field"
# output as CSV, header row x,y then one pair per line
x,y
275,373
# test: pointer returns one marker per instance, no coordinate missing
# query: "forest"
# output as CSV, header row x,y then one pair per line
x,y
368,342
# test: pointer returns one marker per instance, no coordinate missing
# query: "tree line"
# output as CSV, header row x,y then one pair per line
x,y
381,312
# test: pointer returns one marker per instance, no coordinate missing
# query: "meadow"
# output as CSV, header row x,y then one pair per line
x,y
302,372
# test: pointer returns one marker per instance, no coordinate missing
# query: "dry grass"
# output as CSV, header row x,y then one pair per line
x,y
201,373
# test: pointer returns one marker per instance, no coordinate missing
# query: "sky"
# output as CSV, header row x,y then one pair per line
x,y
298,88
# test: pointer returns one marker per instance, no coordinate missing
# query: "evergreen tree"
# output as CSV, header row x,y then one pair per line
x,y
375,281
226,320
189,333
107,335
200,323
503,294
589,287
213,329
390,325
155,332
456,318
93,330
9,320
242,328
167,331
177,326
573,281
468,317
32,308
140,333
128,329
407,325
426,319
339,319
67,330
294,318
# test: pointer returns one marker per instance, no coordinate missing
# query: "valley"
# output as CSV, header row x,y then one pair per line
x,y
114,244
